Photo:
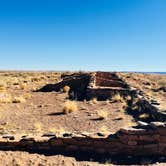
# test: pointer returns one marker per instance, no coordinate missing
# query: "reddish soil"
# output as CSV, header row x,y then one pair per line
x,y
42,112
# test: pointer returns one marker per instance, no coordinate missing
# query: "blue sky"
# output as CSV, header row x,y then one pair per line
x,y
112,35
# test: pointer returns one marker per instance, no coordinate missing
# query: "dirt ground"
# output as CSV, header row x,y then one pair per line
x,y
150,84
23,110
42,111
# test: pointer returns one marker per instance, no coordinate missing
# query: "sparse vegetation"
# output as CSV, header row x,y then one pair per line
x,y
19,99
117,98
93,101
5,98
104,129
38,126
70,106
102,114
56,130
66,89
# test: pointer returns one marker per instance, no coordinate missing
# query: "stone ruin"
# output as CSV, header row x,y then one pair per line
x,y
145,139
100,85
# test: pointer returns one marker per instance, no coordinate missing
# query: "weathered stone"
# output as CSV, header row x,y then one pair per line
x,y
142,124
101,150
56,142
132,143
49,135
10,137
157,124
71,148
130,130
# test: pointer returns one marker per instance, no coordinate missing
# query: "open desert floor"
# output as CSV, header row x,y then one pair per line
x,y
25,110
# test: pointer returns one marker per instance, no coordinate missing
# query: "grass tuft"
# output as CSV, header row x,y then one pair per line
x,y
70,106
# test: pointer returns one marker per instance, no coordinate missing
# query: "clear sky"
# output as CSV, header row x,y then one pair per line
x,y
112,35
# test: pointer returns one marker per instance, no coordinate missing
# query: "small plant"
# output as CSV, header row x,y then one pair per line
x,y
128,98
117,98
70,106
2,87
102,114
37,126
56,130
19,99
22,86
104,129
107,101
66,89
5,98
93,101
27,96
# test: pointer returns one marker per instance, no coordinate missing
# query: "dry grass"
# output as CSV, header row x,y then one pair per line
x,y
117,98
93,101
27,95
37,126
19,99
56,130
70,106
22,86
162,83
66,89
128,98
5,98
102,114
104,129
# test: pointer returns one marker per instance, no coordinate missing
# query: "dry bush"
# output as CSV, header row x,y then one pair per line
x,y
93,101
19,99
35,79
66,89
102,114
22,86
56,130
27,96
128,98
107,101
5,98
104,129
117,98
2,86
37,126
162,82
70,106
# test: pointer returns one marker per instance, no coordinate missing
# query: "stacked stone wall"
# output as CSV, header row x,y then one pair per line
x,y
149,139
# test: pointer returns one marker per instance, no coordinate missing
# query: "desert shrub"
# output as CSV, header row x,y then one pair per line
x,y
3,86
22,86
70,106
104,129
93,101
27,96
128,98
162,83
56,130
19,99
5,98
37,126
102,114
117,98
66,89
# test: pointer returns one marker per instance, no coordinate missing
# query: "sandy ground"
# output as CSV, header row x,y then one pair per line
x,y
42,112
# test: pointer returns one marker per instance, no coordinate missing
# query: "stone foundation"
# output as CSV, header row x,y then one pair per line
x,y
149,139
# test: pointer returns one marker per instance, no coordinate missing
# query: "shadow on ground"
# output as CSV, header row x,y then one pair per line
x,y
104,158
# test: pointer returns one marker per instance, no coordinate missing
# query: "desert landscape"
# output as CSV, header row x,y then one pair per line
x,y
82,118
